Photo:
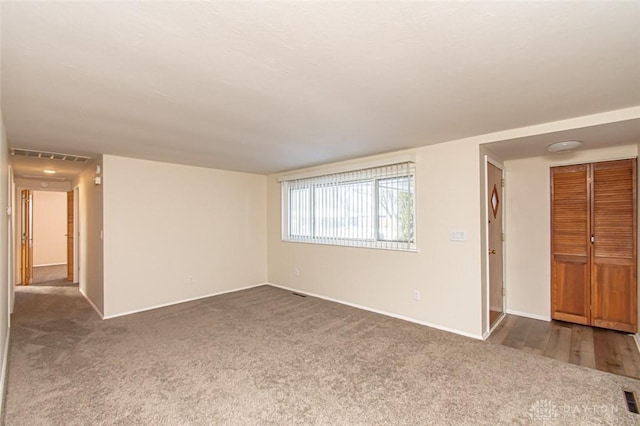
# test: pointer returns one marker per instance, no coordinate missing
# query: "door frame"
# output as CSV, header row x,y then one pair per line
x,y
18,216
490,160
11,254
26,237
76,234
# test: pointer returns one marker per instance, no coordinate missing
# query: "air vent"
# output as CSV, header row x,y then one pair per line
x,y
630,398
49,155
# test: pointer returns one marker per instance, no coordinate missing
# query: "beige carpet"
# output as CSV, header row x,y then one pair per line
x,y
265,356
49,274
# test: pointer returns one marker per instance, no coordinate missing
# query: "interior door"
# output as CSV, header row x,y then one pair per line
x,y
570,247
27,237
496,279
70,219
613,282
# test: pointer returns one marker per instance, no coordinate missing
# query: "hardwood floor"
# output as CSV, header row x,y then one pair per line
x,y
605,350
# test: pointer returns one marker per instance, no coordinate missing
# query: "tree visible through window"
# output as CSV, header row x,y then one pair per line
x,y
365,208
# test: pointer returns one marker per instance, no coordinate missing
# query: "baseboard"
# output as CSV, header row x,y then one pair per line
x,y
163,305
377,311
92,304
49,264
3,375
529,315
636,337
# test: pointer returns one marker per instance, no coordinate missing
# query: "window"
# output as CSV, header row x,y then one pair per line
x,y
371,207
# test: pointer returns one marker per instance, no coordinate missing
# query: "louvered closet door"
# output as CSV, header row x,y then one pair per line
x,y
613,282
570,246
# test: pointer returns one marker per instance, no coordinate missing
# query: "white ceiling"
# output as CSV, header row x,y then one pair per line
x,y
620,133
32,168
271,86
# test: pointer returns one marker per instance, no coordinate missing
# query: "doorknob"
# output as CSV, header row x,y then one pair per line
x,y
492,252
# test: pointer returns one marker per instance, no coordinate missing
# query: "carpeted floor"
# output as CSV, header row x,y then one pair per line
x,y
266,356
49,274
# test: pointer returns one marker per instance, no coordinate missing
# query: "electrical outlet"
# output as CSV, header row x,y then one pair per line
x,y
417,295
190,279
296,271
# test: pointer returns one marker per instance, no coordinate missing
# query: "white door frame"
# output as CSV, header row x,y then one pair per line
x,y
76,234
11,263
489,160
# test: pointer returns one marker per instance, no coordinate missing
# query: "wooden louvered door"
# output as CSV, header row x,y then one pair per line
x,y
613,280
593,244
570,247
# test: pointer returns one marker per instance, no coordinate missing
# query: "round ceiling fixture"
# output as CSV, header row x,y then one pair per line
x,y
564,146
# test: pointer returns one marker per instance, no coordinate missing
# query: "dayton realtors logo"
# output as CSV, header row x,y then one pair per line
x,y
543,411
547,412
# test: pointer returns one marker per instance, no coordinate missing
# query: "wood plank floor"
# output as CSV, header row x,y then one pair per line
x,y
605,350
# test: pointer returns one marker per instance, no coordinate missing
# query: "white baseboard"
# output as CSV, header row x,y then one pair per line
x,y
377,311
3,375
92,304
637,339
135,311
529,315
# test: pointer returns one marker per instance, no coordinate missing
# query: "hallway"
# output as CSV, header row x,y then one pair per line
x,y
51,320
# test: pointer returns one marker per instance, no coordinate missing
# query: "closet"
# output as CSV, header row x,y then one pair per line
x,y
593,244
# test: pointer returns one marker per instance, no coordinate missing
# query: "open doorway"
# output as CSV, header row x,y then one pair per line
x,y
47,231
495,241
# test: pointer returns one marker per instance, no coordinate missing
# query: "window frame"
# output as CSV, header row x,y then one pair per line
x,y
376,242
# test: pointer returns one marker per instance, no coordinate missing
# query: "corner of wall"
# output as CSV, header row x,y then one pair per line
x,y
5,271
91,280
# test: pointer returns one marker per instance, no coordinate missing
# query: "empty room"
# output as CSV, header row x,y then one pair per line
x,y
349,213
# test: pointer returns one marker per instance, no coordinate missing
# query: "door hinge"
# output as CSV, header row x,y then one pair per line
x,y
502,237
502,182
504,292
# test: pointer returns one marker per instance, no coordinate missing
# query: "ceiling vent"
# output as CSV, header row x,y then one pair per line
x,y
49,155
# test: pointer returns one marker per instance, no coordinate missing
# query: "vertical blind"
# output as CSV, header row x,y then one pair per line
x,y
371,207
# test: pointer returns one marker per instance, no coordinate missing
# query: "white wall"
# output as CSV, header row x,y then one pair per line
x,y
4,260
448,274
164,223
528,232
49,228
91,281
36,185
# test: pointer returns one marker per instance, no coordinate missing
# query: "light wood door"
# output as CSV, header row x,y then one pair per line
x,y
613,280
593,244
570,246
496,279
70,219
26,264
